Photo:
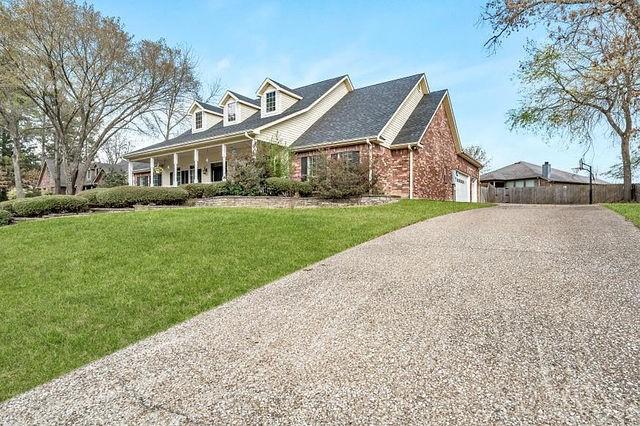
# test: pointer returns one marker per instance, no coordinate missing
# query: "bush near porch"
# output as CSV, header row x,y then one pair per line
x,y
77,288
129,196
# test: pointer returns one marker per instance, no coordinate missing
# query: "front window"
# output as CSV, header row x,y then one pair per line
x,y
271,101
351,157
231,111
199,120
306,167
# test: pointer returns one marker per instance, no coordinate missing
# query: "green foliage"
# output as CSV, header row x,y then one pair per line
x,y
113,279
335,178
91,195
276,160
280,186
29,192
195,190
49,204
246,177
216,189
129,196
5,218
304,188
113,179
7,205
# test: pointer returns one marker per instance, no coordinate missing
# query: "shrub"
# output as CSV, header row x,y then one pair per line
x,y
5,218
91,195
216,189
280,186
114,179
7,205
338,178
128,196
245,177
195,190
49,204
304,189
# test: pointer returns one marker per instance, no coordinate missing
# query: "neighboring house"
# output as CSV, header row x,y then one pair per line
x,y
94,176
525,175
406,133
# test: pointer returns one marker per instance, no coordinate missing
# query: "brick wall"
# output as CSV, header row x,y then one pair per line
x,y
432,164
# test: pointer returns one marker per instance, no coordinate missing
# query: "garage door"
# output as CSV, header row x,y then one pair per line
x,y
462,189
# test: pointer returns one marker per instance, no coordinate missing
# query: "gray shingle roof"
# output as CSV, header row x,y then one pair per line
x,y
210,107
255,102
525,170
419,118
285,87
359,114
309,93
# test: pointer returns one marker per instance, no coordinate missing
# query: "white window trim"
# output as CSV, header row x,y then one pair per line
x,y
195,120
266,113
226,113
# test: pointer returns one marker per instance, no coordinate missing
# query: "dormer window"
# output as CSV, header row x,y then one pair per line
x,y
199,120
231,111
271,101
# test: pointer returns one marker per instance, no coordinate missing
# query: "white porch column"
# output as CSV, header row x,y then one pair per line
x,y
152,165
195,165
130,172
175,169
224,162
254,148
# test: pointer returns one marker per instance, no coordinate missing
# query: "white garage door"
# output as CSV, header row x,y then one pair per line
x,y
462,189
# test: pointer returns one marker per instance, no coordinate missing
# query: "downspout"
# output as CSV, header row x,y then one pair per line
x,y
370,163
410,172
253,144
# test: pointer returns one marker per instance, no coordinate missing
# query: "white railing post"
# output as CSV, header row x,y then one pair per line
x,y
195,166
175,169
224,162
130,173
152,165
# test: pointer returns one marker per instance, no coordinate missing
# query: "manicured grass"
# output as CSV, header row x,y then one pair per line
x,y
629,210
77,288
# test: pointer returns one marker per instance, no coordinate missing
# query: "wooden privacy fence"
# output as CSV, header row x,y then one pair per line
x,y
556,194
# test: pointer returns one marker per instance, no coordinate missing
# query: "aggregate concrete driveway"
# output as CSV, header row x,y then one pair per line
x,y
506,315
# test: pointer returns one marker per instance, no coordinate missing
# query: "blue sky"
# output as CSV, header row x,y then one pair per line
x,y
299,42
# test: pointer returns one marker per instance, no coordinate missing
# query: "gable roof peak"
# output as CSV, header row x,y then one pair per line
x,y
279,86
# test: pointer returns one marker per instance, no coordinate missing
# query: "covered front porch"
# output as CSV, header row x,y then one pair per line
x,y
180,165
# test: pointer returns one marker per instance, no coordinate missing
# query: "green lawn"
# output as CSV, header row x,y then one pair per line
x,y
629,210
74,289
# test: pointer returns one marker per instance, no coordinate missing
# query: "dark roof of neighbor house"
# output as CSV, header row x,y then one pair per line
x,y
525,170
309,93
361,113
420,118
247,99
210,107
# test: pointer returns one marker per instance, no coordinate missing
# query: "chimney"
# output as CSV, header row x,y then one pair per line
x,y
546,170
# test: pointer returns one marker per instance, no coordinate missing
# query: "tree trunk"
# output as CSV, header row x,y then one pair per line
x,y
17,174
56,166
82,173
626,167
72,177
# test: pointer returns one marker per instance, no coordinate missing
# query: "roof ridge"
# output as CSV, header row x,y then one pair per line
x,y
391,81
321,81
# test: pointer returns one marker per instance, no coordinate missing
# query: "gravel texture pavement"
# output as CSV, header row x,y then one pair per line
x,y
511,315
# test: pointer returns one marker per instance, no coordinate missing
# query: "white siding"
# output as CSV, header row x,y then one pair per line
x,y
283,101
242,112
290,130
208,120
402,115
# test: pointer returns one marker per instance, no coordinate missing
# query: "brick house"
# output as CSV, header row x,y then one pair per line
x,y
406,133
95,174
527,175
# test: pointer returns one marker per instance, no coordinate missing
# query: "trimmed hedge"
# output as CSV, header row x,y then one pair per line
x,y
91,195
207,190
5,218
7,205
49,204
304,188
280,186
128,196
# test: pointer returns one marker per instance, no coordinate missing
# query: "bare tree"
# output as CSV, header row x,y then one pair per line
x,y
585,85
479,153
115,148
568,16
171,117
84,72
